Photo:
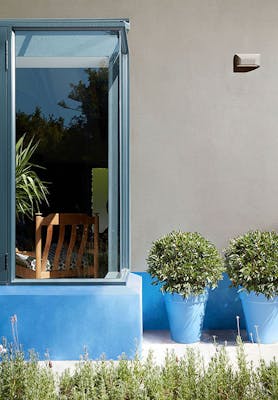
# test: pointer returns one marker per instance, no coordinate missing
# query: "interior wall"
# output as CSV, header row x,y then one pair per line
x,y
204,140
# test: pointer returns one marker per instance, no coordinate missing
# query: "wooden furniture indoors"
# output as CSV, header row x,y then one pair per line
x,y
75,254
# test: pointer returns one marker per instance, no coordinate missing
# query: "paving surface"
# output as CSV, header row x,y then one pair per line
x,y
159,342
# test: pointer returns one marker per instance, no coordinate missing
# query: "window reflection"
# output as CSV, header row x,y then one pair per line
x,y
64,111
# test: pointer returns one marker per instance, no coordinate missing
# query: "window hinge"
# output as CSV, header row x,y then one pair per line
x,y
6,55
6,261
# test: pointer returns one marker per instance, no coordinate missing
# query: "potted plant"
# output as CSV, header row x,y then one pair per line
x,y
31,191
186,265
252,265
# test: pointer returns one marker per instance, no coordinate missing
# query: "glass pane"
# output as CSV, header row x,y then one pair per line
x,y
114,223
62,142
65,43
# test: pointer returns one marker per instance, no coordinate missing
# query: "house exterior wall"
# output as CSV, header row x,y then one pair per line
x,y
203,139
66,320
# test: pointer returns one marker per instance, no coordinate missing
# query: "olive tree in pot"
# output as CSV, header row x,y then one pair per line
x,y
186,265
252,265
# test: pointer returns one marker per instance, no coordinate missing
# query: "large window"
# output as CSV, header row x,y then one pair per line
x,y
64,151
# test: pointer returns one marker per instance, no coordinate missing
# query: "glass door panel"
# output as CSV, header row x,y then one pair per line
x,y
65,127
4,160
113,231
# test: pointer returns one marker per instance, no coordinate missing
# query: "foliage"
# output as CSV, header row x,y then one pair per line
x,y
20,379
184,378
267,374
92,99
252,262
47,131
184,263
85,138
31,191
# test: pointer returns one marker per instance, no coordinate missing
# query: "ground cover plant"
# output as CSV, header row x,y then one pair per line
x,y
24,380
185,378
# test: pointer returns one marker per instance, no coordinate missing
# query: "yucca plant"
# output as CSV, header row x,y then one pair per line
x,y
31,191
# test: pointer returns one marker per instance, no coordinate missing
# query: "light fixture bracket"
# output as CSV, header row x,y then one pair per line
x,y
246,62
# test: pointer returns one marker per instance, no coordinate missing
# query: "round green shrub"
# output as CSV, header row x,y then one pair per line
x,y
252,262
184,263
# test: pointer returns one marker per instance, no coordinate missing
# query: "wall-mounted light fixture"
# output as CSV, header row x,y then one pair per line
x,y
246,62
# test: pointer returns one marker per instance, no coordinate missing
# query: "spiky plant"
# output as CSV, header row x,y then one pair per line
x,y
31,191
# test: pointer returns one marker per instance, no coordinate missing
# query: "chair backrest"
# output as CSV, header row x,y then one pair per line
x,y
77,234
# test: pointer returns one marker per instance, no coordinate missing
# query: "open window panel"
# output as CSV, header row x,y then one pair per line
x,y
71,199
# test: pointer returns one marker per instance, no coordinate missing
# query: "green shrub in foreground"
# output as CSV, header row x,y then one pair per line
x,y
185,378
25,380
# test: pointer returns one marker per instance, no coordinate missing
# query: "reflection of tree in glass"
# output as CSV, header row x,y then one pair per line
x,y
92,98
49,131
85,139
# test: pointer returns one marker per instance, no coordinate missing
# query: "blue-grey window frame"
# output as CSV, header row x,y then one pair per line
x,y
7,143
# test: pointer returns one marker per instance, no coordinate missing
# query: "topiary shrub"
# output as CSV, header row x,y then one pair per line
x,y
185,263
252,262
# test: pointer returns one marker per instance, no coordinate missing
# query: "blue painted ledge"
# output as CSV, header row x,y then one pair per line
x,y
222,307
63,319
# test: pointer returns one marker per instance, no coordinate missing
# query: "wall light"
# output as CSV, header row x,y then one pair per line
x,y
246,62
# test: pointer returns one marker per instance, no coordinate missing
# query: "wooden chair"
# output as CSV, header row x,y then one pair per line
x,y
73,243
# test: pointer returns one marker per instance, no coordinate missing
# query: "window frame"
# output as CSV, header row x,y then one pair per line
x,y
7,144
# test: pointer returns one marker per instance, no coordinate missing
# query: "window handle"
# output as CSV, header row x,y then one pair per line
x,y
6,55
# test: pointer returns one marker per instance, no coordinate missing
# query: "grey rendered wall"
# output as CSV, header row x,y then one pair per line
x,y
204,140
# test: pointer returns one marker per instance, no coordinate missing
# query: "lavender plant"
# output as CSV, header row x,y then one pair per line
x,y
178,378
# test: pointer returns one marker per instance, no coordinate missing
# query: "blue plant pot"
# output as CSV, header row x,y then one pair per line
x,y
261,313
186,316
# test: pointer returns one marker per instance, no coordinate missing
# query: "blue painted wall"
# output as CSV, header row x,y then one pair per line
x,y
105,319
222,307
64,319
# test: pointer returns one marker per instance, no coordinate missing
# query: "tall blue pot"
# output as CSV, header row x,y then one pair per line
x,y
263,313
185,316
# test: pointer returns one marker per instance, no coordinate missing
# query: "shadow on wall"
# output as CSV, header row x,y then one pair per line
x,y
222,307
